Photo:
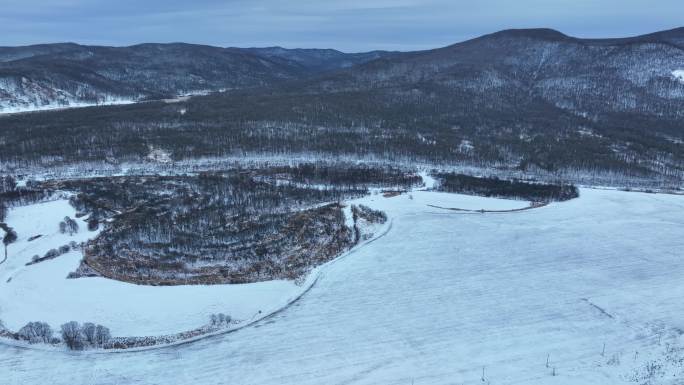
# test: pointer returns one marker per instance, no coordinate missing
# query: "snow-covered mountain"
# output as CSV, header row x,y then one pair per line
x,y
587,76
318,60
531,100
61,75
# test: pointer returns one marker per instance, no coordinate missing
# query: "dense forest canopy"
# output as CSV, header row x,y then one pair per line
x,y
532,102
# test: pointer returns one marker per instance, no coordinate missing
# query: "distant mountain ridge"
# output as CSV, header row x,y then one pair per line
x,y
54,75
532,100
318,60
67,74
586,76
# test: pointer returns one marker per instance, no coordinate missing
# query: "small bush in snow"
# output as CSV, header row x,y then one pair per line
x,y
52,253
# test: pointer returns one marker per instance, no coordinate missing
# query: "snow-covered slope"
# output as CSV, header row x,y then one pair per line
x,y
445,294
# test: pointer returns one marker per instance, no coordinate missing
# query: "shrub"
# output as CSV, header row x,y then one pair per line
x,y
495,187
52,253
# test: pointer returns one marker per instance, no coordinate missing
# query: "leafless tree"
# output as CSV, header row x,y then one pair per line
x,y
36,332
72,335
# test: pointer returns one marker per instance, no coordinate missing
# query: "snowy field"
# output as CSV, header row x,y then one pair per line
x,y
594,285
6,109
41,292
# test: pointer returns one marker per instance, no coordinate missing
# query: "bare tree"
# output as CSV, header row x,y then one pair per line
x,y
36,332
88,330
95,335
68,226
10,237
72,335
102,335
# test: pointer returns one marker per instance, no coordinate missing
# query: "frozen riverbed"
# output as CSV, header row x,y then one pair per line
x,y
445,294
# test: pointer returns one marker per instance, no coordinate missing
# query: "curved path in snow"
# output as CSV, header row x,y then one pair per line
x,y
440,297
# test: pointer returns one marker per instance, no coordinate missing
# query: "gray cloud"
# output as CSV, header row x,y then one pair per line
x,y
351,25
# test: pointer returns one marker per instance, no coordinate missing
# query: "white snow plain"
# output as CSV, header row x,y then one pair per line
x,y
594,284
42,292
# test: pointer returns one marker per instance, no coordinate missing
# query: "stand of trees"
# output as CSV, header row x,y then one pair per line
x,y
74,335
88,335
495,187
431,122
68,226
344,175
11,195
231,227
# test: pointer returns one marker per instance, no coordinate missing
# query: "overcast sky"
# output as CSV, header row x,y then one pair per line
x,y
348,25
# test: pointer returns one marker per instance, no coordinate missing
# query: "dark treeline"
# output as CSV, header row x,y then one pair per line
x,y
343,175
531,101
494,187
12,195
427,123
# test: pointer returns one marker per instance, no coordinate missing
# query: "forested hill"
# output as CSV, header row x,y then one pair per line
x,y
68,74
591,77
534,101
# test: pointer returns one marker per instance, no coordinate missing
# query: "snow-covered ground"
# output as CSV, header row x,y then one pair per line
x,y
679,75
41,292
8,109
445,294
467,202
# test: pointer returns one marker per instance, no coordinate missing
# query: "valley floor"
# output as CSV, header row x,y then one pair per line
x,y
593,285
